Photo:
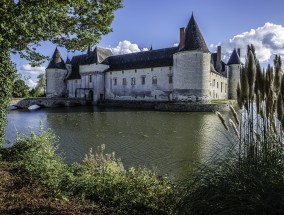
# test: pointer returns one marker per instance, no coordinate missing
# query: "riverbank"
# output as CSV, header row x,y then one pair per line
x,y
16,197
24,103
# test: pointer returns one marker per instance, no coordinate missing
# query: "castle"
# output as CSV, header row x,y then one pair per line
x,y
185,73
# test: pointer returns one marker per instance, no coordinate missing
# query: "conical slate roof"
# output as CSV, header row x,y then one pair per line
x,y
57,61
193,37
234,59
68,61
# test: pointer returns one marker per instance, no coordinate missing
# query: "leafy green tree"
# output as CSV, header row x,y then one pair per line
x,y
74,24
40,88
20,89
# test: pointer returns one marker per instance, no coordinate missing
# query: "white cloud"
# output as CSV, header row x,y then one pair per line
x,y
126,47
175,44
32,84
268,40
27,69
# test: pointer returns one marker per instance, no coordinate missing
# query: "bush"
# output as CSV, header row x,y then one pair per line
x,y
99,178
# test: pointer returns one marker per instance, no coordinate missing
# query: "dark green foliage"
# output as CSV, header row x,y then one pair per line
x,y
75,24
100,178
20,89
7,76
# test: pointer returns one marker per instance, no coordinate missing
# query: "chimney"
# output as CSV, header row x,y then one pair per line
x,y
239,52
182,38
218,62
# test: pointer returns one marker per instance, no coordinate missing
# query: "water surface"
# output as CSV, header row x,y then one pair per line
x,y
166,141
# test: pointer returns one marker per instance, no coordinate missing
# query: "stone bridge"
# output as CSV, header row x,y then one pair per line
x,y
48,102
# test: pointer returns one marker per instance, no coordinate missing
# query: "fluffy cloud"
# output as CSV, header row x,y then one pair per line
x,y
268,40
126,47
27,69
32,84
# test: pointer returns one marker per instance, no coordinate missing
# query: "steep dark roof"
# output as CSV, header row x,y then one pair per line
x,y
214,60
234,59
193,37
68,61
96,56
57,61
146,59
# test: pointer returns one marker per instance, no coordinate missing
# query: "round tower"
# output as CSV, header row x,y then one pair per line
x,y
234,67
55,76
191,79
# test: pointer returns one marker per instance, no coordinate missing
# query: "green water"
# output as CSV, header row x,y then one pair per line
x,y
171,143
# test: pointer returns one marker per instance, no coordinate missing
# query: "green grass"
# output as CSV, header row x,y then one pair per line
x,y
223,101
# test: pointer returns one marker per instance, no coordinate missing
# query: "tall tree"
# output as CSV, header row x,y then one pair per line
x,y
74,24
41,83
20,89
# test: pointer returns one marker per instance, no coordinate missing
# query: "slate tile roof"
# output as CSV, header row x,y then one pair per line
x,y
234,59
96,56
193,37
145,59
214,60
57,61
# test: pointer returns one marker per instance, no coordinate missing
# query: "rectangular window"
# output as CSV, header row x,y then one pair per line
x,y
170,79
135,70
170,68
143,80
225,88
90,78
124,81
115,81
217,84
132,81
122,71
154,80
221,86
213,82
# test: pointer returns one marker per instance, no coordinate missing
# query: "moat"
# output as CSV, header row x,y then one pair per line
x,y
170,142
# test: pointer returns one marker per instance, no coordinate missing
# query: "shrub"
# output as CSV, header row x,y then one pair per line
x,y
99,178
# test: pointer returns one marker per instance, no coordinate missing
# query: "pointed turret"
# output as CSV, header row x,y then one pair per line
x,y
193,37
57,61
68,61
234,59
89,50
234,66
151,48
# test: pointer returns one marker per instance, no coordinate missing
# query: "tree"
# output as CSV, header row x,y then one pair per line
x,y
20,89
40,87
74,24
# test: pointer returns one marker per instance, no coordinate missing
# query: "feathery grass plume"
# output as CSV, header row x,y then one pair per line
x,y
258,79
258,102
273,124
269,103
239,96
251,73
234,128
258,137
244,86
234,114
222,120
277,76
269,79
282,86
263,85
280,107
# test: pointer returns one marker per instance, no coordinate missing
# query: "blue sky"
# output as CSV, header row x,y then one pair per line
x,y
233,24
